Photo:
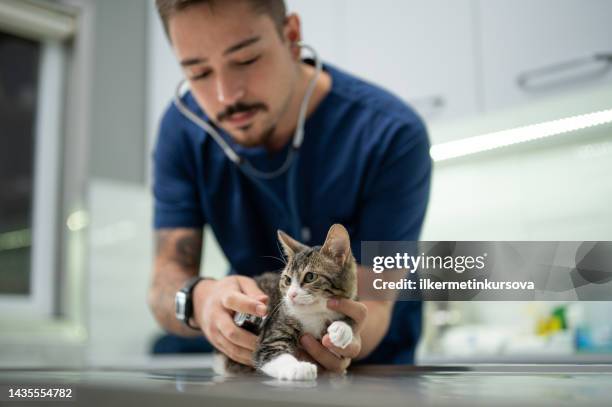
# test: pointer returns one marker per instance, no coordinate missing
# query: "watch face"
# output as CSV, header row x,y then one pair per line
x,y
180,302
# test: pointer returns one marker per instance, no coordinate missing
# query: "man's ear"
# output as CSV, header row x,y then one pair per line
x,y
337,244
290,245
293,34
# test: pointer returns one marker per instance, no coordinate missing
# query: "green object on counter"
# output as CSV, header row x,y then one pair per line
x,y
560,314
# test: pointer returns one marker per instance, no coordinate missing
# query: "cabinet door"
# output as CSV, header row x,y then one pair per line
x,y
423,51
535,49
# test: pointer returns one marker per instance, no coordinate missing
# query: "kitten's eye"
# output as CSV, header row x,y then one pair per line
x,y
310,277
287,280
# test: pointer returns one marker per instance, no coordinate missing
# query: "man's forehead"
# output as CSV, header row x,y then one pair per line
x,y
198,29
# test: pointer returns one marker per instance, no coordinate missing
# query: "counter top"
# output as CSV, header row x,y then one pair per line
x,y
500,385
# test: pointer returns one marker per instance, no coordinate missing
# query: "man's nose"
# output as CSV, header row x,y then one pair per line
x,y
229,89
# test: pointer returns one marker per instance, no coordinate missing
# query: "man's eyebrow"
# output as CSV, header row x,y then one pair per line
x,y
242,44
193,61
233,48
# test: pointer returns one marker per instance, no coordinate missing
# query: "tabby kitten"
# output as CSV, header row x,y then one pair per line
x,y
298,304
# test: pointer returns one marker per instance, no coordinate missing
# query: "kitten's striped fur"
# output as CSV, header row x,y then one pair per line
x,y
311,276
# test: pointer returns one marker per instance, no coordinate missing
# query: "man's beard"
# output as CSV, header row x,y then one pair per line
x,y
263,139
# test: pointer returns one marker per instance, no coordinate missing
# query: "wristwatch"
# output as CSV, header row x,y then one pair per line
x,y
183,302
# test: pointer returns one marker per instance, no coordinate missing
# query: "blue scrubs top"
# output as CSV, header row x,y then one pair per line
x,y
364,163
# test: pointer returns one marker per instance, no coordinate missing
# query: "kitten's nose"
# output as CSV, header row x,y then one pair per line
x,y
292,294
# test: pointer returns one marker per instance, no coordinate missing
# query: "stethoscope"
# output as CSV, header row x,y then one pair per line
x,y
290,163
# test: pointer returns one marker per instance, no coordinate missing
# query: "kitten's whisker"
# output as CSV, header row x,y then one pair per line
x,y
275,308
282,260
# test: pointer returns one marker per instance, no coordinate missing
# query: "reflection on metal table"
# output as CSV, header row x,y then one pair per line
x,y
500,385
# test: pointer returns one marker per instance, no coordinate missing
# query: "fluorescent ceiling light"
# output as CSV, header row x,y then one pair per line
x,y
491,141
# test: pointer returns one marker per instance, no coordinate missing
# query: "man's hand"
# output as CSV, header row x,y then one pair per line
x,y
215,303
331,357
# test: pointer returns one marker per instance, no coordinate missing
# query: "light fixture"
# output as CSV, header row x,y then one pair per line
x,y
491,141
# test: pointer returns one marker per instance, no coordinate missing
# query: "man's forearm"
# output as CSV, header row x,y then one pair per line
x,y
376,325
379,312
161,299
177,259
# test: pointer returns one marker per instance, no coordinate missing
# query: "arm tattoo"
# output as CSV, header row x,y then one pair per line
x,y
188,251
181,246
178,255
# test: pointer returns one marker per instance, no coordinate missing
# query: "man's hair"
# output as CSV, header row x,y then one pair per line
x,y
274,8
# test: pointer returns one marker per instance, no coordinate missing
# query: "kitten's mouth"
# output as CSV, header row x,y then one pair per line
x,y
301,301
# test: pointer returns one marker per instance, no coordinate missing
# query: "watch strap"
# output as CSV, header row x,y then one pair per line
x,y
187,290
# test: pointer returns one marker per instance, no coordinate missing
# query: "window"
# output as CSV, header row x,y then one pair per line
x,y
19,61
32,77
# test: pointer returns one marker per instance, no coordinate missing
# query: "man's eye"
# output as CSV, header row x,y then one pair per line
x,y
248,61
287,280
310,277
200,76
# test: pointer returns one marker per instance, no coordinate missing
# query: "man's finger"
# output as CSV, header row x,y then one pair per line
x,y
351,351
234,334
240,302
357,311
303,356
250,288
234,352
323,356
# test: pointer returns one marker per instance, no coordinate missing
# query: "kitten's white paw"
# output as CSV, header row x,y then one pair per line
x,y
287,367
340,334
301,371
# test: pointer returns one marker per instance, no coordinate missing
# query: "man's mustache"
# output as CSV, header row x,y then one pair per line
x,y
240,108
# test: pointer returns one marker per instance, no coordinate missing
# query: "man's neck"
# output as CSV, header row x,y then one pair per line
x,y
288,123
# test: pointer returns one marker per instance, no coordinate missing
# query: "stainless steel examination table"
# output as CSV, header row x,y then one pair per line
x,y
498,385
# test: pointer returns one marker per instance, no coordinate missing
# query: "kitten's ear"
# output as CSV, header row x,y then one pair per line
x,y
337,244
290,245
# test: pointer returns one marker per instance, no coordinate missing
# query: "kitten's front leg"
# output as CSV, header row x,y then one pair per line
x,y
287,367
340,334
275,355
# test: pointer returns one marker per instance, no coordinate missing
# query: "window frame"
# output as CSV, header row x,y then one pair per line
x,y
56,314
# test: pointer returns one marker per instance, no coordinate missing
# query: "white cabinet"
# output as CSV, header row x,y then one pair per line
x,y
423,51
520,37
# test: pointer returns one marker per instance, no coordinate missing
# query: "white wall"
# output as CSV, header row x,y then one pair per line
x,y
557,189
162,76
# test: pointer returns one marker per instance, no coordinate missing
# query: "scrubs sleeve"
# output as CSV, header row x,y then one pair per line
x,y
175,186
396,192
